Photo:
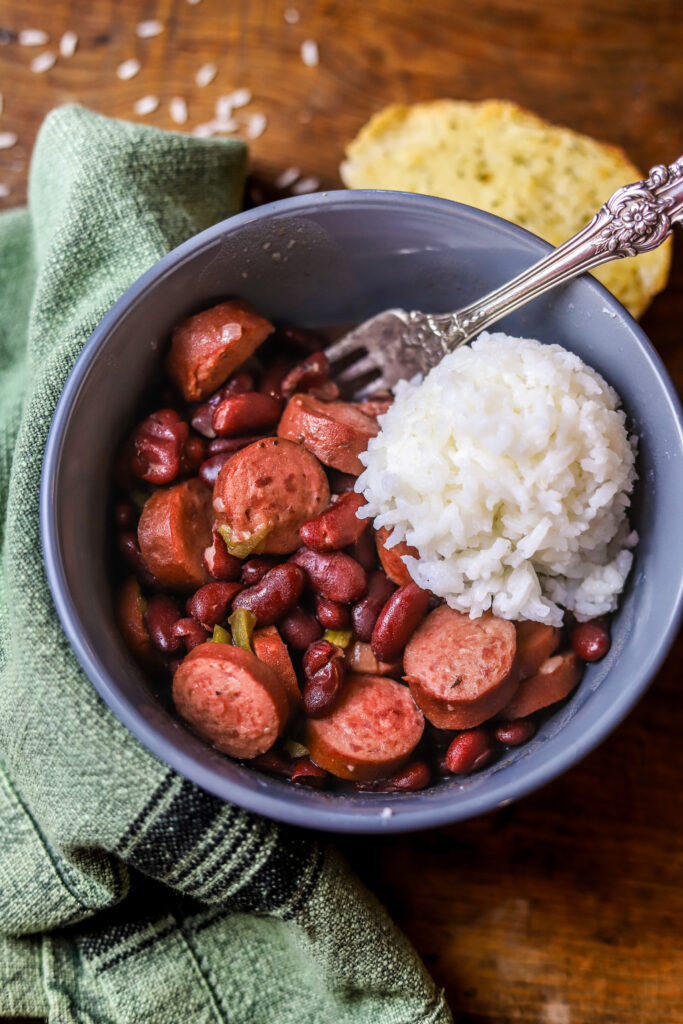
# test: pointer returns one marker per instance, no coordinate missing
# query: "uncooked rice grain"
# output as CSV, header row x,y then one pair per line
x,y
510,469
68,44
146,105
306,185
288,177
129,69
206,74
33,37
149,29
240,97
256,125
7,140
43,62
309,53
178,110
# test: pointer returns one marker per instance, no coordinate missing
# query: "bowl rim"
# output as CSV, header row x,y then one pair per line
x,y
422,815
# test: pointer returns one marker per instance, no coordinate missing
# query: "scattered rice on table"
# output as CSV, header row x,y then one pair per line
x,y
178,110
43,62
68,44
206,74
146,105
32,37
149,29
129,69
309,53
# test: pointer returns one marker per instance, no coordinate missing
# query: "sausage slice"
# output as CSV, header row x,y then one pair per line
x,y
231,699
536,642
129,611
207,347
391,558
371,731
555,679
270,648
461,671
271,487
359,658
174,529
336,432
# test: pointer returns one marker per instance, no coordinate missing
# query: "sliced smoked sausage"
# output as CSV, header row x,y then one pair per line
x,y
174,528
536,642
461,671
129,611
231,698
336,432
270,648
555,679
359,658
270,488
371,731
392,558
207,347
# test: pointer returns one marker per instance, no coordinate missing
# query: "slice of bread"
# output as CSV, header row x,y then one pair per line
x,y
496,156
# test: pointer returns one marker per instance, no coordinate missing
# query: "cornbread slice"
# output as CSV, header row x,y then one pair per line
x,y
501,158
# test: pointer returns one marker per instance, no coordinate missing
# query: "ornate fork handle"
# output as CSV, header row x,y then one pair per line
x,y
636,219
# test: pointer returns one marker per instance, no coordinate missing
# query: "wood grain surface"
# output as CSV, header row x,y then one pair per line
x,y
565,908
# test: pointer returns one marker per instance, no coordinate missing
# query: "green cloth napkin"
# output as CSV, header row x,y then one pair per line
x,y
126,893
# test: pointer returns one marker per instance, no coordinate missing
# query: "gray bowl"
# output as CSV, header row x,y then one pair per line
x,y
336,258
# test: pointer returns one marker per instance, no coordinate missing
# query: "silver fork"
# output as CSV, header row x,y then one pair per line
x,y
399,344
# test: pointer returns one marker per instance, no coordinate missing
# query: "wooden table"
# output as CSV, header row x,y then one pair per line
x,y
566,908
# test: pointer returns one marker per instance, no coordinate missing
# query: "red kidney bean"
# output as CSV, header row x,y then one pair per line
x,y
271,382
243,414
125,514
334,575
337,526
340,482
193,454
365,549
274,595
209,605
322,690
191,632
313,371
299,629
590,640
157,446
254,569
130,550
331,615
218,560
365,613
516,732
274,762
413,777
469,751
307,773
161,616
398,620
209,469
232,444
202,418
317,655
